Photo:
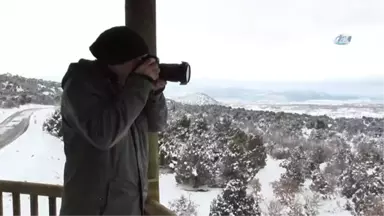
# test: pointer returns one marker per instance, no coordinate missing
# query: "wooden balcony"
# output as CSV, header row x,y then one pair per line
x,y
53,192
33,190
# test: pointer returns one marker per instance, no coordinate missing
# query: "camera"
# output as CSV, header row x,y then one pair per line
x,y
173,72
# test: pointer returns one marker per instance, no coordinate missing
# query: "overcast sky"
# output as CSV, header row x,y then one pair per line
x,y
281,40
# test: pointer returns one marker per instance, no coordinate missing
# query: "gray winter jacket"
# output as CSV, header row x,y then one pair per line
x,y
105,140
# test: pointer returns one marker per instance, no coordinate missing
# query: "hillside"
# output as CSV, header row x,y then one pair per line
x,y
16,90
321,166
197,99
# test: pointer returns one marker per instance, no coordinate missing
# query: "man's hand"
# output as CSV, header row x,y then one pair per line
x,y
149,68
159,85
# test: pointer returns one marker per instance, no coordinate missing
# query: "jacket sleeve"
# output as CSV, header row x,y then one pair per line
x,y
157,112
103,121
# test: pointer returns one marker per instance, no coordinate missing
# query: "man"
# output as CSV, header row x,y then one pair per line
x,y
108,107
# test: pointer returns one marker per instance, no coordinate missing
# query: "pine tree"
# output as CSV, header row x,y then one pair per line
x,y
234,166
339,161
234,201
295,166
172,141
363,180
53,124
184,207
256,154
195,165
244,156
320,185
294,177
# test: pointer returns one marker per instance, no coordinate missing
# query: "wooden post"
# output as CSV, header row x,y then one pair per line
x,y
140,16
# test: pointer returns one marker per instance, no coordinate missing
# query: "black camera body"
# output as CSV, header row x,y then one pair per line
x,y
173,72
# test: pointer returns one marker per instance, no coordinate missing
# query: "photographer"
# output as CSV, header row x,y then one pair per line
x,y
108,107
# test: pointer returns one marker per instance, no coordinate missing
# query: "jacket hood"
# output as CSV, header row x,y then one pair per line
x,y
76,69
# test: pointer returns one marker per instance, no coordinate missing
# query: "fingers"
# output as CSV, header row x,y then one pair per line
x,y
154,71
149,61
142,67
149,68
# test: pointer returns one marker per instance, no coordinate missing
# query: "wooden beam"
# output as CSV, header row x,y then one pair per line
x,y
140,16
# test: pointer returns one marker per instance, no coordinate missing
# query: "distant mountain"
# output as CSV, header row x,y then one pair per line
x,y
282,92
18,90
254,95
197,99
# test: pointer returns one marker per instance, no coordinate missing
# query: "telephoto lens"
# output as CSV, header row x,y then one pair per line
x,y
176,72
173,72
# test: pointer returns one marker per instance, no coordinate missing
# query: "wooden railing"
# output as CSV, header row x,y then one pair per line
x,y
53,192
33,190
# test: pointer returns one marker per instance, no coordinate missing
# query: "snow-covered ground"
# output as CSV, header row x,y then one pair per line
x,y
38,157
270,173
5,113
169,191
35,157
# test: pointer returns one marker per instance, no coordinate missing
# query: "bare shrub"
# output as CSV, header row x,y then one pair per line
x,y
295,208
275,208
285,190
376,209
312,204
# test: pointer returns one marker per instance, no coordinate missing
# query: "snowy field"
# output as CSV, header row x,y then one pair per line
x,y
38,157
331,110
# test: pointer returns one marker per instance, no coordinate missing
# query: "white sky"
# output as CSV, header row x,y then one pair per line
x,y
281,40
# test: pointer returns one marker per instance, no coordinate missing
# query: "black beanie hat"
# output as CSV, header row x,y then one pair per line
x,y
118,45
